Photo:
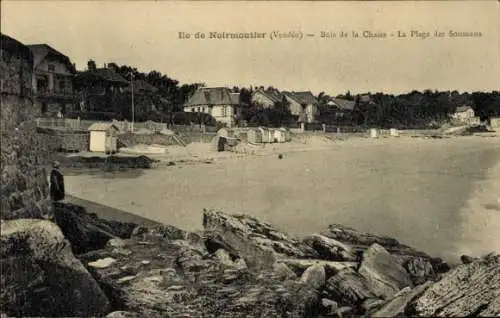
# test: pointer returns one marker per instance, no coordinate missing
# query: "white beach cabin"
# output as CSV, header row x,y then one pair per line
x,y
103,138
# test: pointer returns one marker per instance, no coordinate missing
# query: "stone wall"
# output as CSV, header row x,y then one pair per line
x,y
129,139
24,188
64,140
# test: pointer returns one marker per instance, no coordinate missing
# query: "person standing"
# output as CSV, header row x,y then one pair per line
x,y
57,192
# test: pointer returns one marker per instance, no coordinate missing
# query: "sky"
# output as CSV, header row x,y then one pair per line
x,y
145,34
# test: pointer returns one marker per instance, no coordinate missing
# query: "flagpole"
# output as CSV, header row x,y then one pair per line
x,y
133,106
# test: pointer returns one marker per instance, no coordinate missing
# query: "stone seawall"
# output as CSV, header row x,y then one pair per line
x,y
130,140
62,140
24,188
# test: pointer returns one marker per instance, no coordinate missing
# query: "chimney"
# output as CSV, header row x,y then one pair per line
x,y
91,65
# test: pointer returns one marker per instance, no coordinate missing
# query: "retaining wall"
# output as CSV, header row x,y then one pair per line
x,y
23,154
129,140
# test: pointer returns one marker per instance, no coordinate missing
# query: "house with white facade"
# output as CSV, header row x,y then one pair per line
x,y
219,102
302,104
463,114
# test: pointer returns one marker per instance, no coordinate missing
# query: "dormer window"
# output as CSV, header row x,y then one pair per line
x,y
52,68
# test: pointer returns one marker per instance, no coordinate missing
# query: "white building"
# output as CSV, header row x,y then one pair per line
x,y
219,102
463,113
103,138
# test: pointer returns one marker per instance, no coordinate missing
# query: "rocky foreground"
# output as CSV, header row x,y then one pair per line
x,y
237,266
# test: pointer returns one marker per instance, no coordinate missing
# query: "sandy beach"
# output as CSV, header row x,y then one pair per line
x,y
438,195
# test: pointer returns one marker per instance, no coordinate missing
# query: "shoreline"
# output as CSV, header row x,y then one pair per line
x,y
366,219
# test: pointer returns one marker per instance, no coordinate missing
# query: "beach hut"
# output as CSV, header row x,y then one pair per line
x,y
394,132
279,135
103,137
254,136
267,135
374,133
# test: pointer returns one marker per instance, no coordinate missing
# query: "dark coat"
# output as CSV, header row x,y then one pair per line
x,y
56,185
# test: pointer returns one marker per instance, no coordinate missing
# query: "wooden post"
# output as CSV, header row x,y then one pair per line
x,y
324,128
302,127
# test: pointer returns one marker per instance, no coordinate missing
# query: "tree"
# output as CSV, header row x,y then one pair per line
x,y
484,105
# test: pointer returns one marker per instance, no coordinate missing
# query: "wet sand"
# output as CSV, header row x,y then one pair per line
x,y
430,194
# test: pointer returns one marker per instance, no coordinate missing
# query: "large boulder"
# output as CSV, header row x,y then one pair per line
x,y
382,272
363,240
348,288
397,305
41,276
173,277
85,231
329,249
331,267
419,265
314,276
468,290
258,242
420,269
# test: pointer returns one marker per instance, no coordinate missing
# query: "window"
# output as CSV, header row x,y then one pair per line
x,y
62,84
193,110
52,68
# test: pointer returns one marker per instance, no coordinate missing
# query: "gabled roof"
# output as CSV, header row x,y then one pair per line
x,y
102,127
211,96
272,95
42,51
302,97
344,103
